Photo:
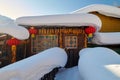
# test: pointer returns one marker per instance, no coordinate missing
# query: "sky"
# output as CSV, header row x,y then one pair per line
x,y
18,8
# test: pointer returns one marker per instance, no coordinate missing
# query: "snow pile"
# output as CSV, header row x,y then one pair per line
x,y
8,26
68,74
102,9
33,68
106,38
99,64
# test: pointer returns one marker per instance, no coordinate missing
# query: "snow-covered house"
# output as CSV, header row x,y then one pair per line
x,y
109,34
66,31
109,15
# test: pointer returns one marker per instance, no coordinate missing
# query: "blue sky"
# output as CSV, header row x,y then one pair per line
x,y
18,8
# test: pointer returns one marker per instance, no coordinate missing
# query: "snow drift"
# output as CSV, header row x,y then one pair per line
x,y
108,38
99,64
8,26
33,68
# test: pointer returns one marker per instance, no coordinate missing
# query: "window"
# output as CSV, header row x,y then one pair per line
x,y
42,42
71,41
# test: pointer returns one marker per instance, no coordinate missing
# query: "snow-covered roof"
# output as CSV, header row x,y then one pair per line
x,y
61,20
8,26
102,9
108,38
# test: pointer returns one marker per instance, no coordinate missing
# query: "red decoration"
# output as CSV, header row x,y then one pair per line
x,y
90,29
32,31
13,42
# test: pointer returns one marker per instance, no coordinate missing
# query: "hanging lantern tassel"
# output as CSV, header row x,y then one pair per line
x,y
13,43
32,35
90,36
13,49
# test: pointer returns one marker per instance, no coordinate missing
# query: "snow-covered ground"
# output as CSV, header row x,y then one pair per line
x,y
97,63
68,74
94,64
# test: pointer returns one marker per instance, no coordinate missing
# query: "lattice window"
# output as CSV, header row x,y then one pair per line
x,y
71,41
43,42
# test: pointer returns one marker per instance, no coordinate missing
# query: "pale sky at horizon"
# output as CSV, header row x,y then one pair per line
x,y
19,8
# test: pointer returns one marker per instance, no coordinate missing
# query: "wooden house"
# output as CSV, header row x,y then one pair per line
x,y
65,31
72,39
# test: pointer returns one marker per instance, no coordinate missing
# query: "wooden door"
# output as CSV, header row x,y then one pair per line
x,y
73,43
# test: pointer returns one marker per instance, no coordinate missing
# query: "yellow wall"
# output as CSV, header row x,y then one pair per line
x,y
109,24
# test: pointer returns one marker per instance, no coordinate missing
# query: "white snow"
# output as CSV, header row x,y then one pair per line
x,y
108,38
68,74
8,26
33,68
69,20
99,64
102,9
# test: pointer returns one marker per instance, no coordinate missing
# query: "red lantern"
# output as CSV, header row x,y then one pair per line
x,y
90,30
32,31
13,42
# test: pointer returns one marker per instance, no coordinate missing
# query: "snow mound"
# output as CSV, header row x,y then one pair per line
x,y
99,64
34,67
8,26
108,38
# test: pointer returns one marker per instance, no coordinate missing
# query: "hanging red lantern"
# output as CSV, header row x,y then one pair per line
x,y
13,42
32,31
89,31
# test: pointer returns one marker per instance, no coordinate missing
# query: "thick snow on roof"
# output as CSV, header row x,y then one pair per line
x,y
34,67
99,64
8,26
102,9
61,20
108,38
